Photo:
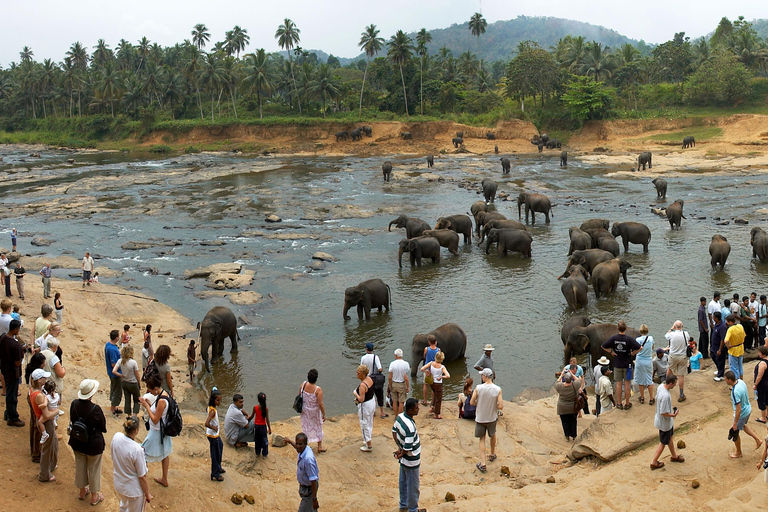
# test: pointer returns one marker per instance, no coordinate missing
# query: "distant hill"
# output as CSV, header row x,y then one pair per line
x,y
761,27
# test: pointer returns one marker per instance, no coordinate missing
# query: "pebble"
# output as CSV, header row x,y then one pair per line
x,y
695,484
723,223
741,221
550,479
449,496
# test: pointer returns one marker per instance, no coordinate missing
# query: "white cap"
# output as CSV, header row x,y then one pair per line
x,y
39,374
486,372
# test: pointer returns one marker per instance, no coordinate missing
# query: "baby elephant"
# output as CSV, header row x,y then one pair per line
x,y
689,142
457,141
490,136
661,188
371,294
387,170
564,159
675,213
505,165
430,161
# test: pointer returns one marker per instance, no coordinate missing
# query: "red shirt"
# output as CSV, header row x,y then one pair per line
x,y
35,407
258,418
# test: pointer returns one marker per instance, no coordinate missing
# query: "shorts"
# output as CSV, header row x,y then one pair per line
x,y
762,396
86,275
742,421
191,368
678,365
399,392
482,428
620,374
379,396
665,436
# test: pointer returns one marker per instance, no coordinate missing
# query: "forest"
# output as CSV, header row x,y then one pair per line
x,y
103,92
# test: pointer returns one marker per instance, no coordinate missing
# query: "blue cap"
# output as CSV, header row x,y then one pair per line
x,y
369,346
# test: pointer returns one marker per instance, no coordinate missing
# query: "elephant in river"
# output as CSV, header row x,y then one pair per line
x,y
457,141
534,203
563,159
430,161
661,187
675,213
342,135
644,159
484,217
447,238
605,276
418,248
451,340
719,249
509,240
490,136
588,258
759,241
575,287
608,243
580,240
367,295
595,224
632,232
597,234
219,323
356,134
590,339
461,224
413,226
505,165
500,224
571,323
387,170
689,142
489,189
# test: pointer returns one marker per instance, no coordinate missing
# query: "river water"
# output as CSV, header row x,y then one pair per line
x,y
342,207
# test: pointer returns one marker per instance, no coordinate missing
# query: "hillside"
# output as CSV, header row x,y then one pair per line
x,y
761,27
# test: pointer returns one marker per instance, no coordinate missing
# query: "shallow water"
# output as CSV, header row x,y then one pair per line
x,y
108,199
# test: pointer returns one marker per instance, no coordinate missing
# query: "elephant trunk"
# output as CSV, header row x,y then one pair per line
x,y
519,212
389,228
347,305
624,275
487,245
400,257
567,353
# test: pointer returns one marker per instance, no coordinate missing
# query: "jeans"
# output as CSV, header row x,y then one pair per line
x,y
704,344
736,364
131,392
11,397
719,362
216,450
409,488
261,440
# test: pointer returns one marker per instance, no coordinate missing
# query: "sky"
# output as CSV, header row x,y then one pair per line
x,y
49,27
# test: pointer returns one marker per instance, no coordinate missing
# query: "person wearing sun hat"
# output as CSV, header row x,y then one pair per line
x,y
88,454
486,361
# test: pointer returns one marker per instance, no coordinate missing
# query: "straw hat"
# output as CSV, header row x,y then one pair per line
x,y
88,388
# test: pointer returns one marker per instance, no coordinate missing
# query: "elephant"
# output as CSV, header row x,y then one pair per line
x,y
477,207
595,223
580,240
509,240
367,295
500,224
413,226
575,287
643,159
632,232
343,135
483,217
430,161
689,142
367,130
219,323
489,189
661,187
457,141
544,138
605,276
554,143
597,234
419,247
356,134
490,136
387,170
459,135
534,203
759,241
461,224
608,243
588,258
563,159
447,238
540,146
505,165
675,213
571,323
496,149
590,339
719,249
406,135
451,340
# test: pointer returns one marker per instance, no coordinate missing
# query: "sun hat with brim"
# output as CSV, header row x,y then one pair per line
x,y
40,374
488,348
603,361
88,388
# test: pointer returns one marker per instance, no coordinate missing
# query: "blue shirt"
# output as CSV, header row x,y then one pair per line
x,y
696,361
740,395
46,271
724,313
430,355
112,356
718,334
646,342
306,467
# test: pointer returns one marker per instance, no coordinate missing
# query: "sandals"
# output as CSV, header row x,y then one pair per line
x,y
760,420
87,492
385,415
99,499
627,406
681,399
642,400
657,465
492,458
52,479
679,458
481,467
620,406
651,401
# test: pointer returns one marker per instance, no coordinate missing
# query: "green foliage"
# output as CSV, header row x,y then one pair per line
x,y
700,133
160,148
532,72
660,95
587,99
721,80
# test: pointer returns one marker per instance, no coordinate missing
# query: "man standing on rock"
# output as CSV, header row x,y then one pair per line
x,y
486,360
678,354
46,273
306,473
734,340
622,348
487,399
409,455
665,422
703,328
87,269
19,272
741,411
399,384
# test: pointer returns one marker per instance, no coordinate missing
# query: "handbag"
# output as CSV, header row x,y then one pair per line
x,y
376,376
579,404
298,402
428,380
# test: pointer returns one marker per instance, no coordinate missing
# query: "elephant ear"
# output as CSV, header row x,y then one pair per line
x,y
586,342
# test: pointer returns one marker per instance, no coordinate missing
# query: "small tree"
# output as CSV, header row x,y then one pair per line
x,y
587,99
720,80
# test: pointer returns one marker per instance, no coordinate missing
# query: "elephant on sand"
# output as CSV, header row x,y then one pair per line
x,y
451,340
675,213
644,159
457,141
759,241
413,226
580,240
219,323
458,223
509,240
661,187
632,232
534,203
447,238
418,248
588,258
605,276
590,339
505,165
489,189
387,170
575,287
571,323
689,142
595,224
608,243
719,249
500,224
367,295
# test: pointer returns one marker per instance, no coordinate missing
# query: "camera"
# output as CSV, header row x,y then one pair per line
x,y
674,409
765,464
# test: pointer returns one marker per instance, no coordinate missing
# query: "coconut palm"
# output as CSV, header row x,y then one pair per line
x,y
324,86
574,51
399,51
172,89
627,53
231,78
109,85
236,41
257,75
102,55
143,50
26,54
598,62
701,52
477,25
422,39
78,55
288,36
200,36
47,79
211,75
191,71
371,44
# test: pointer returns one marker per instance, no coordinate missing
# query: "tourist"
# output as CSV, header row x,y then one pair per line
x,y
438,372
717,349
19,272
644,365
129,468
760,386
112,357
212,432
754,310
695,360
604,389
46,273
11,355
467,411
735,306
6,271
762,320
3,268
262,425
734,340
408,454
486,398
6,305
313,410
95,278
366,407
398,383
88,454
87,269
665,422
157,447
306,472
13,240
162,356
35,362
191,360
678,354
145,358
49,450
58,307
147,333
486,361
714,305
622,347
54,331
428,357
660,366
567,388
53,363
373,363
741,411
51,411
578,371
745,317
237,429
597,372
130,377
43,322
703,327
125,336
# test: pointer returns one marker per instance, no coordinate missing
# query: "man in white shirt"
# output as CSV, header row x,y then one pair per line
x,y
678,354
87,269
487,398
399,385
372,361
714,305
604,390
238,431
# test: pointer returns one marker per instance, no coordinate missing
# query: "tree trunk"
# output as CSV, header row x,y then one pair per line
x,y
45,113
200,103
70,103
421,84
293,77
405,95
365,73
79,106
258,93
212,105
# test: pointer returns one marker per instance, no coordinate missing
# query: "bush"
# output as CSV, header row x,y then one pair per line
x,y
660,95
160,148
718,81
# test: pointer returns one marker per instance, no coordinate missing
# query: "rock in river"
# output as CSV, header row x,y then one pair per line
x,y
324,256
41,242
273,218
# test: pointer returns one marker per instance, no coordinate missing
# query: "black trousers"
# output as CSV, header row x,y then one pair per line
x,y
704,344
569,424
720,361
750,335
11,397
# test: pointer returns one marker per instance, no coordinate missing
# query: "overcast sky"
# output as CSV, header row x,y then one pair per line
x,y
49,27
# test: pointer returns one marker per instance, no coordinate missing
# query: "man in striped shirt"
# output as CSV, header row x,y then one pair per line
x,y
409,455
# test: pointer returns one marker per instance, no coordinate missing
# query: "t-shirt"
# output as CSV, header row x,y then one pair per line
x,y
695,361
663,405
718,335
623,346
735,339
87,263
660,366
597,372
128,370
128,465
740,395
41,325
233,420
579,370
42,341
258,417
485,361
5,322
712,307
155,400
678,343
646,347
735,310
10,353
487,398
144,358
604,389
399,368
93,417
368,360
112,356
724,313
163,370
703,320
408,438
753,307
762,310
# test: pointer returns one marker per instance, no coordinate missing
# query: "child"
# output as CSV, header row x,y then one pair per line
x,y
16,315
13,239
95,278
466,410
212,432
126,337
52,409
145,357
191,361
260,418
695,359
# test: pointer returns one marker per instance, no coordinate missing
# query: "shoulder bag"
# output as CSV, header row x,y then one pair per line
x,y
428,380
298,402
78,430
376,376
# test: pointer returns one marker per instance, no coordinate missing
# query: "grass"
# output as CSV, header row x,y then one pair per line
x,y
700,133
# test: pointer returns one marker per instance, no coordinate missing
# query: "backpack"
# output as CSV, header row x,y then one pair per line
x,y
376,376
469,411
149,371
173,423
78,430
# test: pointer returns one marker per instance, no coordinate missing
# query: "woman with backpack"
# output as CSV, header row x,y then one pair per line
x,y
86,439
158,448
467,410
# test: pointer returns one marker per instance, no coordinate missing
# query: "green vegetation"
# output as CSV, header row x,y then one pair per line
x,y
700,133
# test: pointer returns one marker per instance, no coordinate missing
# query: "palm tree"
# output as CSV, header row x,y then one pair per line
x,y
399,51
211,74
143,50
477,26
191,71
172,89
200,36
109,85
237,40
257,75
26,54
575,51
103,53
324,86
701,52
78,55
422,39
627,53
125,53
231,70
288,36
598,62
47,79
371,44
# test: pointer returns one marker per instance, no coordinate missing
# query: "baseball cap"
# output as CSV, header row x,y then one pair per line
x,y
369,346
39,374
486,372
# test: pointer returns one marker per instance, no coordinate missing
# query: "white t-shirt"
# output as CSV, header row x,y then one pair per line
x,y
154,400
604,389
400,368
754,306
5,322
368,360
487,396
88,266
128,465
712,307
678,343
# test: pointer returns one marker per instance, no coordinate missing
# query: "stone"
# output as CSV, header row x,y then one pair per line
x,y
741,221
723,223
41,242
212,243
236,499
70,160
202,272
278,441
505,471
695,484
324,256
149,270
550,479
681,444
13,256
237,298
152,242
317,265
273,218
449,496
250,499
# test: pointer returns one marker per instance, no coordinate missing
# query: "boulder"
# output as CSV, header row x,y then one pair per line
x,y
317,265
222,276
273,218
39,241
13,256
324,256
212,243
238,298
449,496
741,221
70,160
152,242
203,272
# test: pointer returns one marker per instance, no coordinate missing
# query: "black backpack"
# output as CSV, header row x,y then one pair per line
x,y
376,376
173,422
78,430
149,371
